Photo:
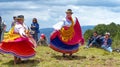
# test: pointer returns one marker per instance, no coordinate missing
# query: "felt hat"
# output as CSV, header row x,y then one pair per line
x,y
20,17
69,11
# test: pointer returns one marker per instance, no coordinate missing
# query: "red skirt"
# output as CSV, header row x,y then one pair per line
x,y
21,47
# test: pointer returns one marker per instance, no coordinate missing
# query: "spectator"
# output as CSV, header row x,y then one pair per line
x,y
94,40
107,42
35,29
2,28
42,40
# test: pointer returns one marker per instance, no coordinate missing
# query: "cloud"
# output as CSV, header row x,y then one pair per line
x,y
16,6
49,12
14,0
94,15
104,3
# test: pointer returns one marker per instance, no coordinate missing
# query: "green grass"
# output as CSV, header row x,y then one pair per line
x,y
46,57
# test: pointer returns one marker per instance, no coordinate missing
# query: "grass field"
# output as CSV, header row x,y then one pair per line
x,y
46,57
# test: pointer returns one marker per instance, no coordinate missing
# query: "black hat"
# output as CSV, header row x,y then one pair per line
x,y
69,11
20,17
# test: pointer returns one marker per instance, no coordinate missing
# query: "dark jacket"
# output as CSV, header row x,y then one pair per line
x,y
109,42
35,28
2,26
93,39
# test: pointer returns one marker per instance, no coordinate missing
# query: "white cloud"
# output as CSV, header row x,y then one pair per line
x,y
95,15
50,12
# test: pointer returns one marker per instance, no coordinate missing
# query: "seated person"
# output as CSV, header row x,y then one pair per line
x,y
94,40
42,40
107,42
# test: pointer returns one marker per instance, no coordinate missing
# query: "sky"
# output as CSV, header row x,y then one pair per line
x,y
49,12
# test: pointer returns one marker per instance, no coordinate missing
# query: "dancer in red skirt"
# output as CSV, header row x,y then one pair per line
x,y
18,42
67,35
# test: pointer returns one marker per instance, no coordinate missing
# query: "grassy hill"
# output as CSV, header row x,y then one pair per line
x,y
46,57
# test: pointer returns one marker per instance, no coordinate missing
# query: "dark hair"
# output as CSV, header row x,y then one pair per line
x,y
14,17
95,32
34,19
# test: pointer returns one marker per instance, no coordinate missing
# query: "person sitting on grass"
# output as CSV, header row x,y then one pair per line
x,y
94,40
42,40
107,42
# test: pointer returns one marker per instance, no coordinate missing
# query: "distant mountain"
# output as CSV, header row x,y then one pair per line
x,y
84,28
48,31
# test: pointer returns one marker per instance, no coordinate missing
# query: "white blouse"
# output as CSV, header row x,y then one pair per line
x,y
20,29
62,23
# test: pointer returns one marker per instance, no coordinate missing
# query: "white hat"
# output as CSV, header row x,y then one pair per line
x,y
107,33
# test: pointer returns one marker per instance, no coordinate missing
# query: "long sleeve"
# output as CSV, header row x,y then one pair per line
x,y
20,29
36,26
63,22
93,40
22,32
109,43
58,26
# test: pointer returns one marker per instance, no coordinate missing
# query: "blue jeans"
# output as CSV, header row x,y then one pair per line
x,y
106,48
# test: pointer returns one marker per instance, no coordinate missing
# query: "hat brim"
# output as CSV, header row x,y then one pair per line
x,y
107,34
19,18
69,12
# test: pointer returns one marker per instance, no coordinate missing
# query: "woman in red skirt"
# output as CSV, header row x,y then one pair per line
x,y
18,42
67,35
